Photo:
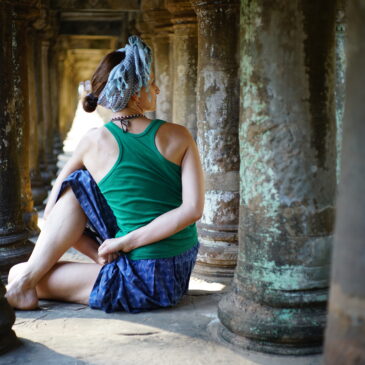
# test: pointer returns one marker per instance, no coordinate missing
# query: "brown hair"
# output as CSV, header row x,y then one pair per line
x,y
100,78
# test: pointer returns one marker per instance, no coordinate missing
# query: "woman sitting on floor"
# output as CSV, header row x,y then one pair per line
x,y
128,198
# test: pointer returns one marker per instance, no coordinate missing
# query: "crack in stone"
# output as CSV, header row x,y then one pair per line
x,y
138,334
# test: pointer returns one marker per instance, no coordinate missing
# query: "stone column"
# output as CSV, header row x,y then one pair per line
x,y
340,76
39,190
287,177
8,338
14,246
345,333
217,139
63,82
146,33
54,83
185,56
156,14
54,86
70,96
50,159
45,174
7,318
30,214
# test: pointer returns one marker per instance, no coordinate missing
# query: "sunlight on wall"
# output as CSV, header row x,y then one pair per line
x,y
82,123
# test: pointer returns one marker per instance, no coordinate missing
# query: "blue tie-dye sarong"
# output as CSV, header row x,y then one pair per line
x,y
125,284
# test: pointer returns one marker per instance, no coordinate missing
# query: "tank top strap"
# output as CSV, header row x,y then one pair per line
x,y
115,131
153,130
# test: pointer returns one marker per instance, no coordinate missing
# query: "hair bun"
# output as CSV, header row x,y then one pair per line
x,y
90,103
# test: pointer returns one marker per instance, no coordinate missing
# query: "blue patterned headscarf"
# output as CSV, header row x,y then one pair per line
x,y
129,76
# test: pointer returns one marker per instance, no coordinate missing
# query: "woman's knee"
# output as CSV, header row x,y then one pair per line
x,y
68,200
69,195
15,271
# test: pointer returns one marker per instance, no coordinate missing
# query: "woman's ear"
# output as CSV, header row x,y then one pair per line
x,y
134,98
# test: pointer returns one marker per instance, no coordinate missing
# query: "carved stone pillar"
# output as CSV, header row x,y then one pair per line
x,y
155,13
62,54
185,56
8,338
70,94
54,85
50,160
39,190
14,246
345,333
217,114
340,76
46,176
25,14
288,177
146,33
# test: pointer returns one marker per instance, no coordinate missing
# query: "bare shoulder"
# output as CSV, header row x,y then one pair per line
x,y
176,132
96,136
95,133
173,140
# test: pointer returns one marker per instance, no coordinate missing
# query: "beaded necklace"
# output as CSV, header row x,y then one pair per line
x,y
124,120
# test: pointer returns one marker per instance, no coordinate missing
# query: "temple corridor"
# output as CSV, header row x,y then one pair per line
x,y
272,92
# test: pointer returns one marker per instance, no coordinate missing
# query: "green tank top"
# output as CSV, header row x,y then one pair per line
x,y
142,185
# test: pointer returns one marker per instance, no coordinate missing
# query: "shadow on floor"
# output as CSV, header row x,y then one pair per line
x,y
29,352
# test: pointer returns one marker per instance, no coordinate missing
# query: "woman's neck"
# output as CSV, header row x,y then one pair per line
x,y
128,111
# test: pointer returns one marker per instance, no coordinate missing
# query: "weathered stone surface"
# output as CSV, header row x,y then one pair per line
x,y
90,27
340,76
159,20
217,134
8,339
185,56
345,334
49,128
287,176
29,155
39,190
13,116
125,5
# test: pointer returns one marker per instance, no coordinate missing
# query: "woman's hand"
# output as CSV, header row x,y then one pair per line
x,y
109,249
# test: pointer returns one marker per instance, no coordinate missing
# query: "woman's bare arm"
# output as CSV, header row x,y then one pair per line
x,y
174,220
73,164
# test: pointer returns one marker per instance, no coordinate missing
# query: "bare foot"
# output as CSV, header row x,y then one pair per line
x,y
19,295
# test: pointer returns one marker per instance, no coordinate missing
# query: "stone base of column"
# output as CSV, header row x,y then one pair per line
x,y
216,261
57,145
31,222
47,175
39,191
283,331
217,256
40,187
52,167
14,248
212,273
8,339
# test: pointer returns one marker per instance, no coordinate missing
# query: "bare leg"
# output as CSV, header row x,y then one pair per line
x,y
69,282
62,230
66,281
89,247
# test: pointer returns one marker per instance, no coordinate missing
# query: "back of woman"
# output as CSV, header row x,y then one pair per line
x,y
142,185
136,193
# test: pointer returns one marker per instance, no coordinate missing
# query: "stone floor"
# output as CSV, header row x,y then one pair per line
x,y
61,333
